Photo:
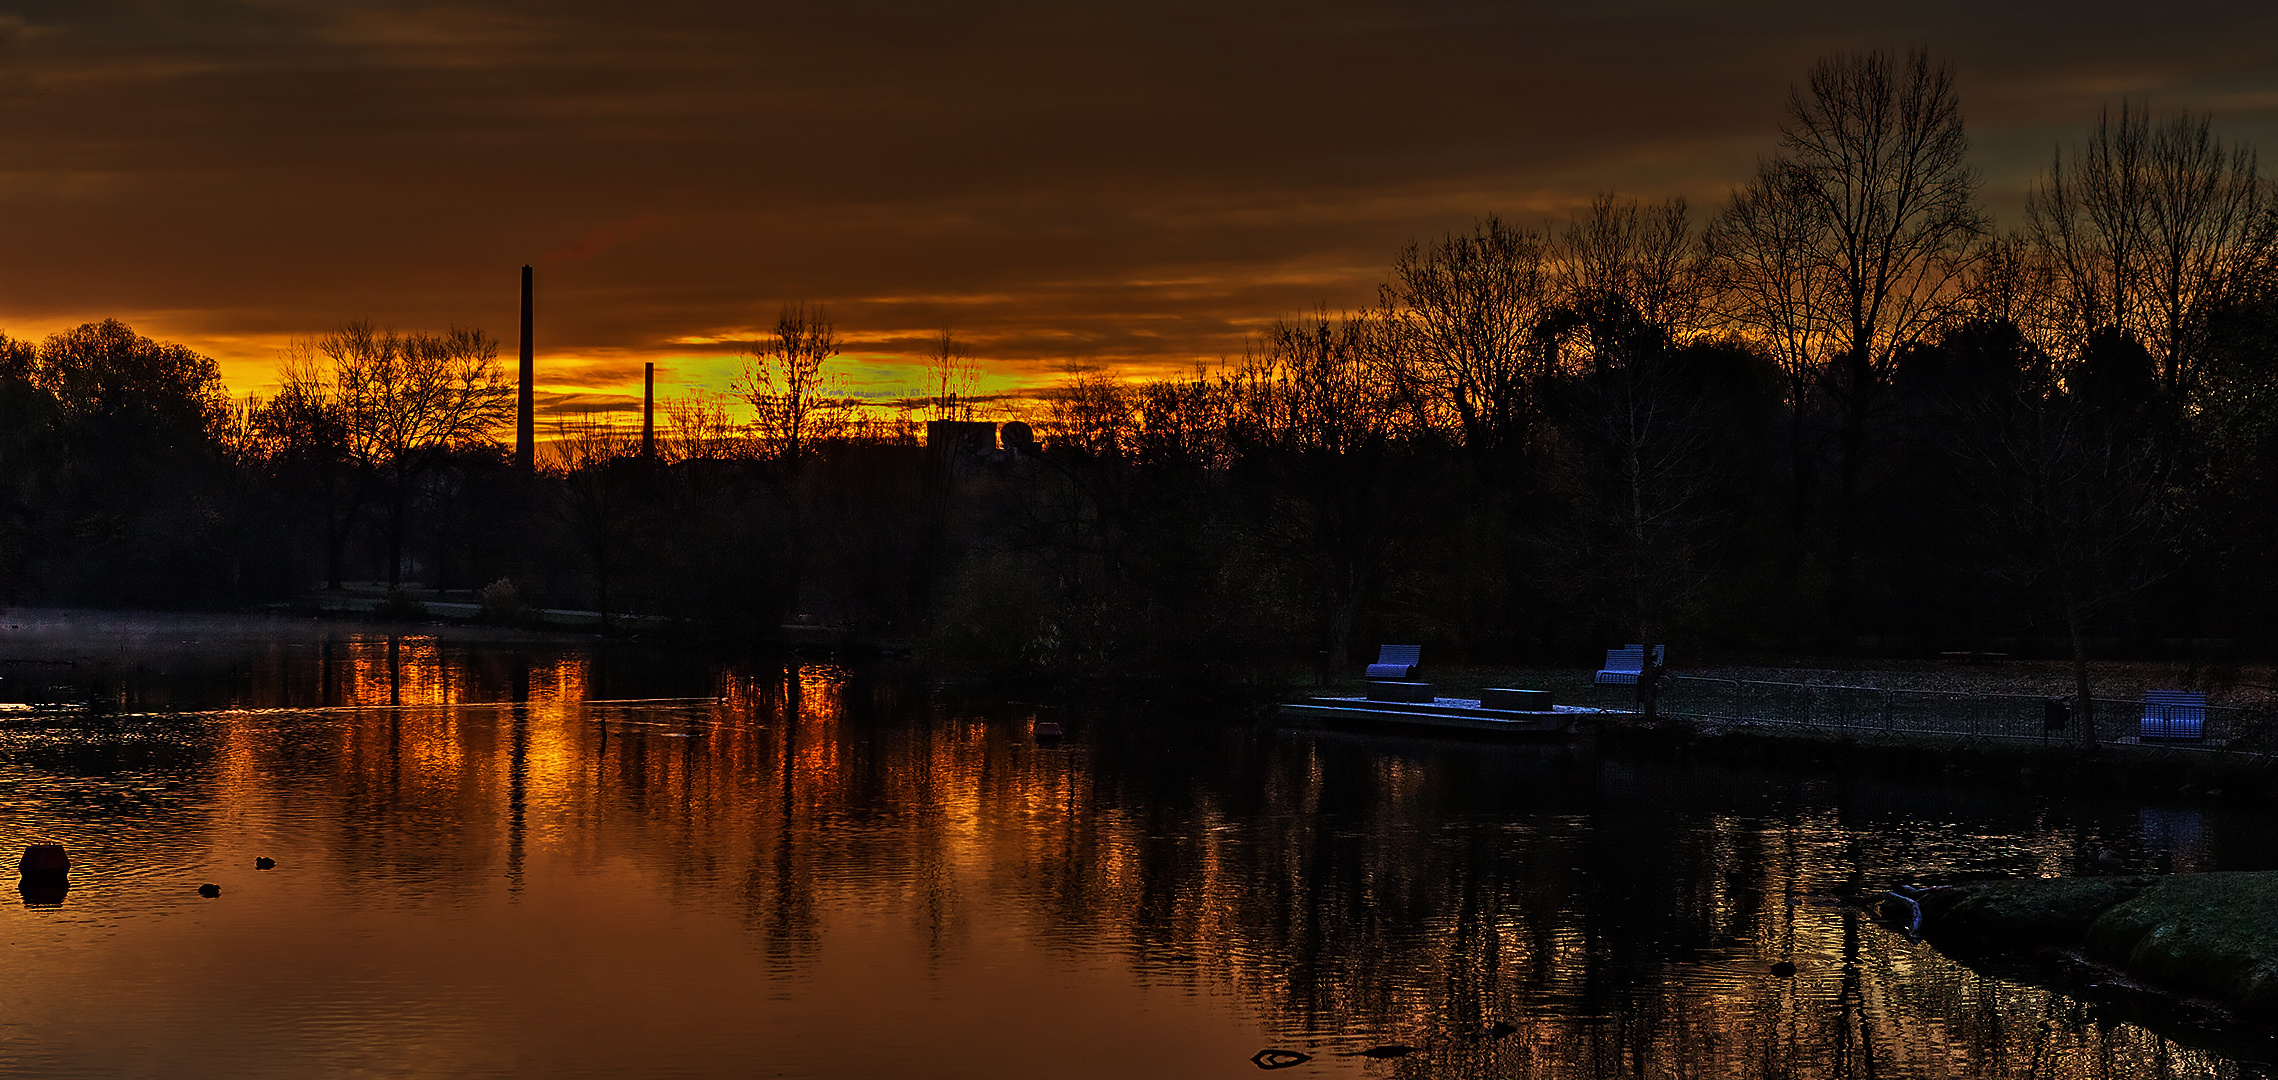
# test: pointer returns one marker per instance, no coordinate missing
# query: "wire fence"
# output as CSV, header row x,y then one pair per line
x,y
1854,713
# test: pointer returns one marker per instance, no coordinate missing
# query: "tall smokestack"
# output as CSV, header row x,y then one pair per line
x,y
648,412
525,429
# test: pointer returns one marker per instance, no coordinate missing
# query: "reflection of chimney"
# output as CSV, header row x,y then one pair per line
x,y
525,431
648,412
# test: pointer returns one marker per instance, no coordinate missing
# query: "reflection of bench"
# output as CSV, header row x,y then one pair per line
x,y
1397,662
2174,714
1625,664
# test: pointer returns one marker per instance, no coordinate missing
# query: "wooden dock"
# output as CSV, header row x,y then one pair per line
x,y
1441,715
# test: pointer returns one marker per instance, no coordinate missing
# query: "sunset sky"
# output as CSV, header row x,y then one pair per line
x,y
1129,186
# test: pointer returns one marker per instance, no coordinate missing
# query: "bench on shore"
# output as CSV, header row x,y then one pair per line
x,y
1626,664
1396,662
2173,715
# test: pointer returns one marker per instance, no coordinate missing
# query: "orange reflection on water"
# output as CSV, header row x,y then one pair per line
x,y
765,875
560,681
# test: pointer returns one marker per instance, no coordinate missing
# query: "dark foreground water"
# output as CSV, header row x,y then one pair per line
x,y
488,862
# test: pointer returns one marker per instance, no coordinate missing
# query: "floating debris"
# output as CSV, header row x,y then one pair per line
x,y
1278,1059
1914,919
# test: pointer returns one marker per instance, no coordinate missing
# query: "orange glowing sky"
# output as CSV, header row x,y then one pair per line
x,y
1135,187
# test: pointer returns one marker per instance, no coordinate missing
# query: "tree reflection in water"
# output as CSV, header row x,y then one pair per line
x,y
1332,892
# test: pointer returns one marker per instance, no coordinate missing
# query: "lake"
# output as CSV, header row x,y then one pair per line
x,y
511,857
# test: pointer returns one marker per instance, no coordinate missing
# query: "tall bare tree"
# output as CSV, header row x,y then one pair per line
x,y
2213,237
409,402
2067,505
1643,260
2085,219
1459,319
1631,466
2150,228
1850,245
788,386
1771,276
1311,411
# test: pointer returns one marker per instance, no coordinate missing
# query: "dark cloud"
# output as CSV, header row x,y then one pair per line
x,y
1113,183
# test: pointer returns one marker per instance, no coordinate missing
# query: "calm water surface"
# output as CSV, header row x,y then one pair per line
x,y
493,860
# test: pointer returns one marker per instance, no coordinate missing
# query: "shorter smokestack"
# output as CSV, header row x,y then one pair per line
x,y
648,412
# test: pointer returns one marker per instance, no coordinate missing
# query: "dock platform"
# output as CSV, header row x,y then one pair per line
x,y
1443,715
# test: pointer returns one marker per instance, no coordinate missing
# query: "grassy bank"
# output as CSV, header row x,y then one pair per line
x,y
2193,952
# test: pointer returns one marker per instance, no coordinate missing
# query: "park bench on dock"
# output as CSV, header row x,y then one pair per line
x,y
2173,716
1626,664
1393,676
1396,662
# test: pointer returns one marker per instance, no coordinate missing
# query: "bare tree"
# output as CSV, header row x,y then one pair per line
x,y
1635,488
409,401
1632,468
1765,252
697,429
1087,427
1090,415
597,462
1181,423
2013,281
1311,410
2150,228
2086,220
951,374
788,387
306,427
1851,244
2213,235
1643,260
1459,321
2068,505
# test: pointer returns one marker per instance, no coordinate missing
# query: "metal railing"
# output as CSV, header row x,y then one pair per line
x,y
1871,713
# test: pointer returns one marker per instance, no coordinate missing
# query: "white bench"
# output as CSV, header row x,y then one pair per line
x,y
1626,664
2173,716
1396,662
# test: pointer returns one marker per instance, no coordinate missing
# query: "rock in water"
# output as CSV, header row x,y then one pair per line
x,y
1784,970
264,863
209,890
45,861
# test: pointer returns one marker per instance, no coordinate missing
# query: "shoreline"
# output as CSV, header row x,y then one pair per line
x,y
2192,955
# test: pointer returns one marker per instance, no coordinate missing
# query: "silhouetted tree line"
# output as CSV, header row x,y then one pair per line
x,y
1843,412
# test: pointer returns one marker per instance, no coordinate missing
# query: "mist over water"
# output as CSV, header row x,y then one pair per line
x,y
512,857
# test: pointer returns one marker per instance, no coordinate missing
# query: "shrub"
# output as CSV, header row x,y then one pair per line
x,y
501,602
